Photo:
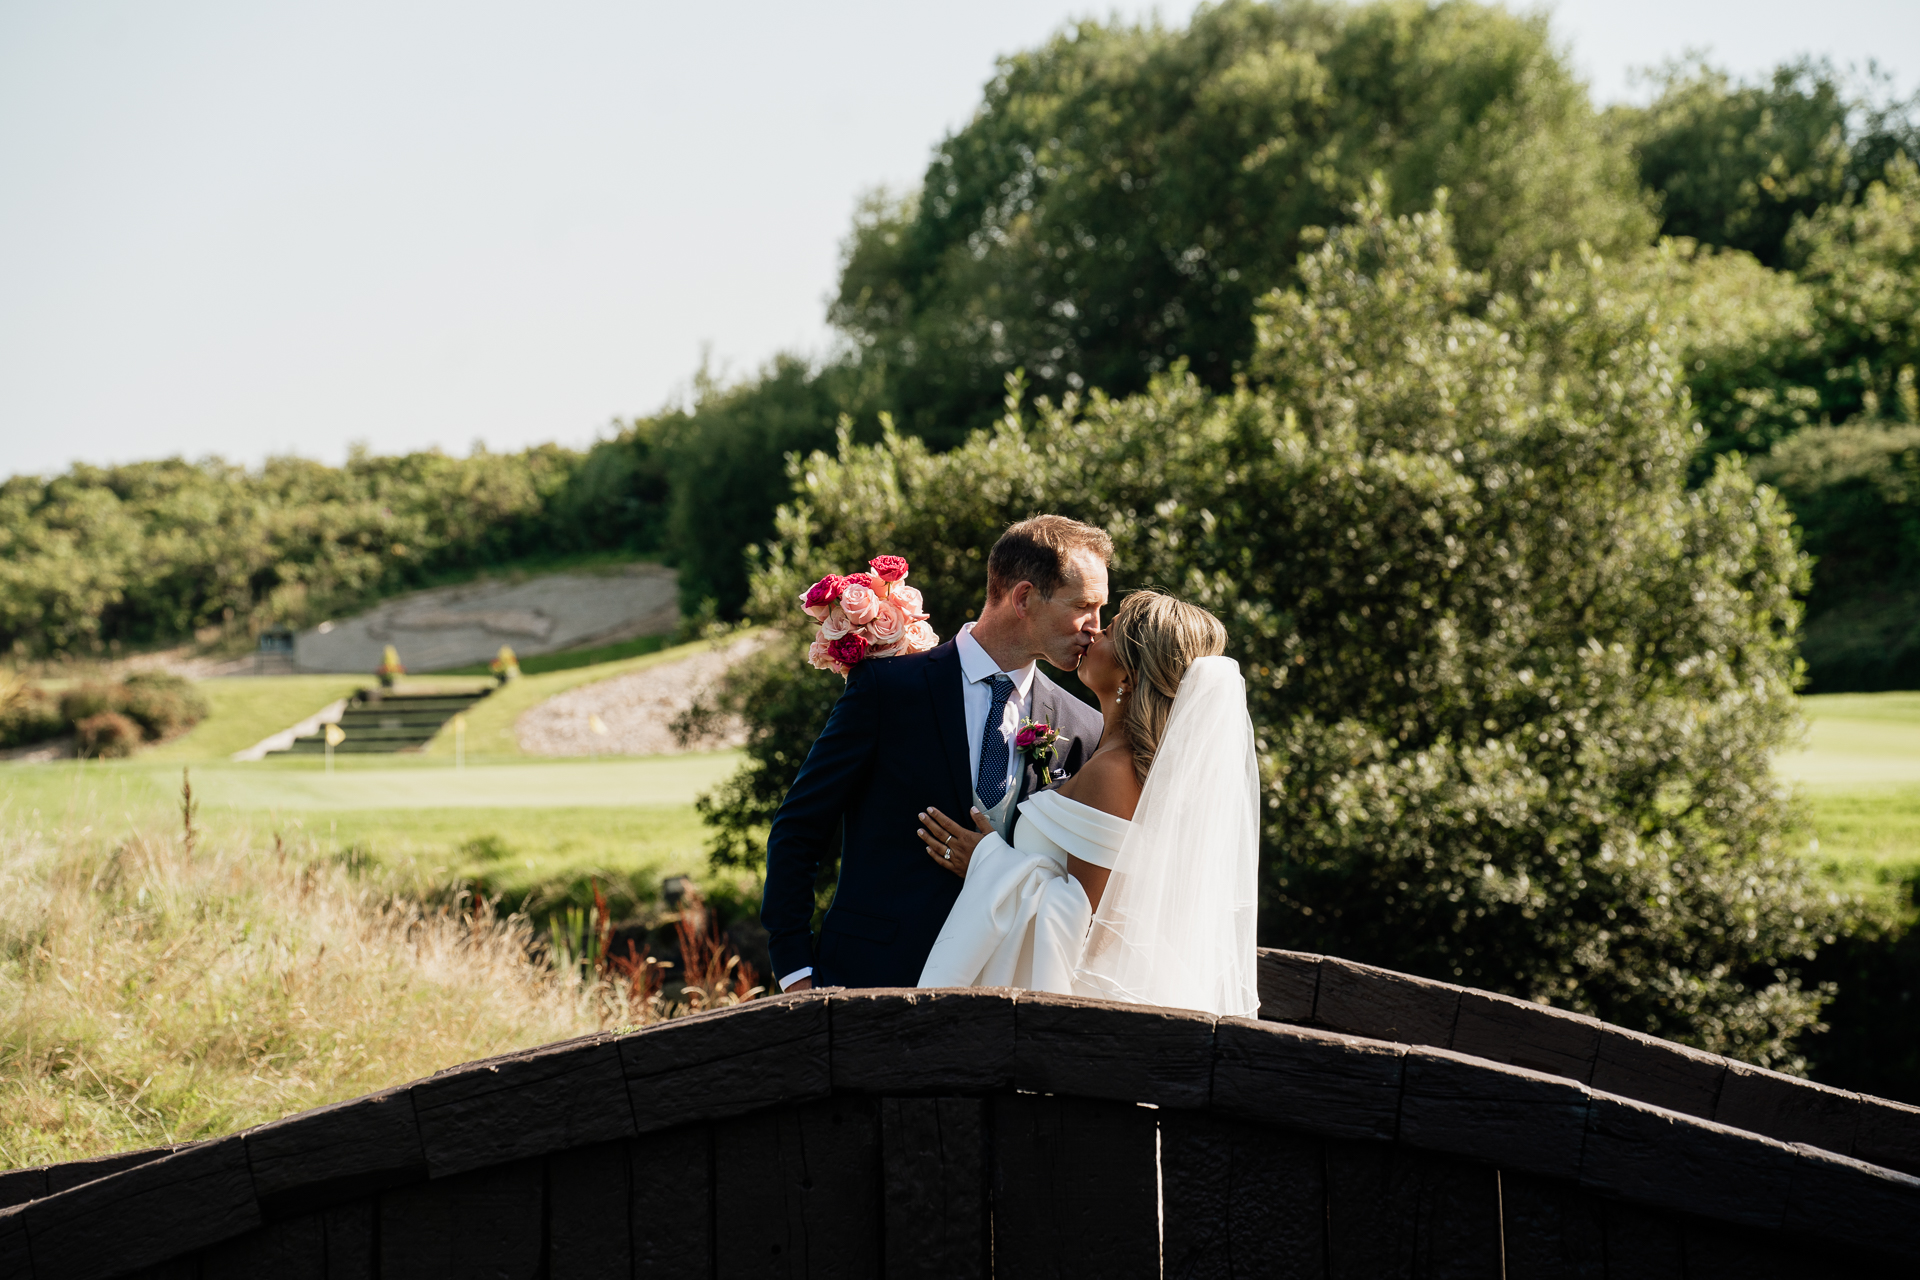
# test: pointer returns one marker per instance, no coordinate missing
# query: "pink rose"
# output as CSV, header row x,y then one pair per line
x,y
835,624
866,580
909,600
921,637
888,628
822,594
1026,737
861,603
889,568
820,656
848,650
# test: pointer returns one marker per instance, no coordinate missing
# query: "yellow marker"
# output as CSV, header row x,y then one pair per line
x,y
334,736
595,723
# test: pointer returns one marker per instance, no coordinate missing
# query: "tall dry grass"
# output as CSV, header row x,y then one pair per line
x,y
157,992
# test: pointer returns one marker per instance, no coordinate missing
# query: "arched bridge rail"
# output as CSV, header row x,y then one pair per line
x,y
975,1133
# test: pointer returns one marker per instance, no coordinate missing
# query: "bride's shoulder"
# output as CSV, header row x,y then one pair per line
x,y
1107,783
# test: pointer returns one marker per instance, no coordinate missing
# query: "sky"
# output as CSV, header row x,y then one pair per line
x,y
250,229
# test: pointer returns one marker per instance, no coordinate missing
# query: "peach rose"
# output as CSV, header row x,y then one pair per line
x,y
835,624
921,637
889,626
820,656
908,598
861,602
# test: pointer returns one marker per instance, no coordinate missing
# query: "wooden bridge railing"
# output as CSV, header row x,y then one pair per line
x,y
974,1133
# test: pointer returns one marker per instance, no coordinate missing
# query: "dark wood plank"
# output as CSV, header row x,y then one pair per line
x,y
1288,981
797,1191
16,1259
345,1151
1552,1230
1373,1205
671,1211
1523,1034
1461,1106
1889,1135
934,1161
1850,1202
1361,1000
1240,1201
1658,1072
728,1062
1787,1108
350,1239
1319,1082
1728,1253
292,1250
144,1215
588,1233
525,1105
17,1186
1074,1190
922,1041
1459,1220
487,1222
1683,1165
74,1173
1642,1245
1103,1049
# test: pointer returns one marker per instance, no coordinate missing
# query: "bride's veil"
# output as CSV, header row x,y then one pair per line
x,y
1176,923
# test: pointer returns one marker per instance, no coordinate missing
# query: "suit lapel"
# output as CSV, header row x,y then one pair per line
x,y
1044,710
944,679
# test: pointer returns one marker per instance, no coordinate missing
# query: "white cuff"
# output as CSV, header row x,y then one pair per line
x,y
795,976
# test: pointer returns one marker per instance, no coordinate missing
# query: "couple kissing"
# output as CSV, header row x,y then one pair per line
x,y
995,830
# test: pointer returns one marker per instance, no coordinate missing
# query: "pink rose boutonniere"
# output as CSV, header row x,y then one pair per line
x,y
865,615
1039,742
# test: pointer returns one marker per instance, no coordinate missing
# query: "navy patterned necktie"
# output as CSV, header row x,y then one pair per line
x,y
993,746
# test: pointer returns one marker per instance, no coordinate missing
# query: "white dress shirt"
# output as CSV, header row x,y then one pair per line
x,y
977,670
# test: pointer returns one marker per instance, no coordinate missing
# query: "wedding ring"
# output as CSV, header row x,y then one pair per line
x,y
949,840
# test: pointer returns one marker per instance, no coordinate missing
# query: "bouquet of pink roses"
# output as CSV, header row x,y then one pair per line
x,y
866,615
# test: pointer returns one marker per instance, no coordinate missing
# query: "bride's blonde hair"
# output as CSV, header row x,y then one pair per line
x,y
1155,639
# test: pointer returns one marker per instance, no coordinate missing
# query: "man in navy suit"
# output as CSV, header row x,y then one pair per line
x,y
934,729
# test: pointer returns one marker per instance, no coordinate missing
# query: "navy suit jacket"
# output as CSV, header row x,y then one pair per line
x,y
895,744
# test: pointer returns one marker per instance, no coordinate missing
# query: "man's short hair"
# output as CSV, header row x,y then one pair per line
x,y
1037,549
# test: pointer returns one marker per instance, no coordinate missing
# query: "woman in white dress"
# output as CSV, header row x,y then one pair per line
x,y
1136,878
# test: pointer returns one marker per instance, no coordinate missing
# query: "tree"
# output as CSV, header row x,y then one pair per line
x,y
1737,164
1124,194
1515,684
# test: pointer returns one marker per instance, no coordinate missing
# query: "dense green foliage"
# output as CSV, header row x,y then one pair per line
x,y
153,551
1516,684
1124,194
1737,165
726,463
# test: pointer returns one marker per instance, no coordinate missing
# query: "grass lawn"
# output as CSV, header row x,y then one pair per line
x,y
246,709
1860,778
534,834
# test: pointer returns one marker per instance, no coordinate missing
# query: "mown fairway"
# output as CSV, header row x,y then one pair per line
x,y
1860,778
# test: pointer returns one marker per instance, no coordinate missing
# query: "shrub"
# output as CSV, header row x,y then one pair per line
x,y
106,736
162,704
89,699
28,714
1516,686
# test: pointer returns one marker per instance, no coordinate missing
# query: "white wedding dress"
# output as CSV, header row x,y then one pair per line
x,y
1176,922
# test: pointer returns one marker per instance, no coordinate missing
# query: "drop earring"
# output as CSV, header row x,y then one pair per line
x,y
1120,694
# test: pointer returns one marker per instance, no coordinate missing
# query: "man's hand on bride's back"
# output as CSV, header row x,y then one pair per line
x,y
948,843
